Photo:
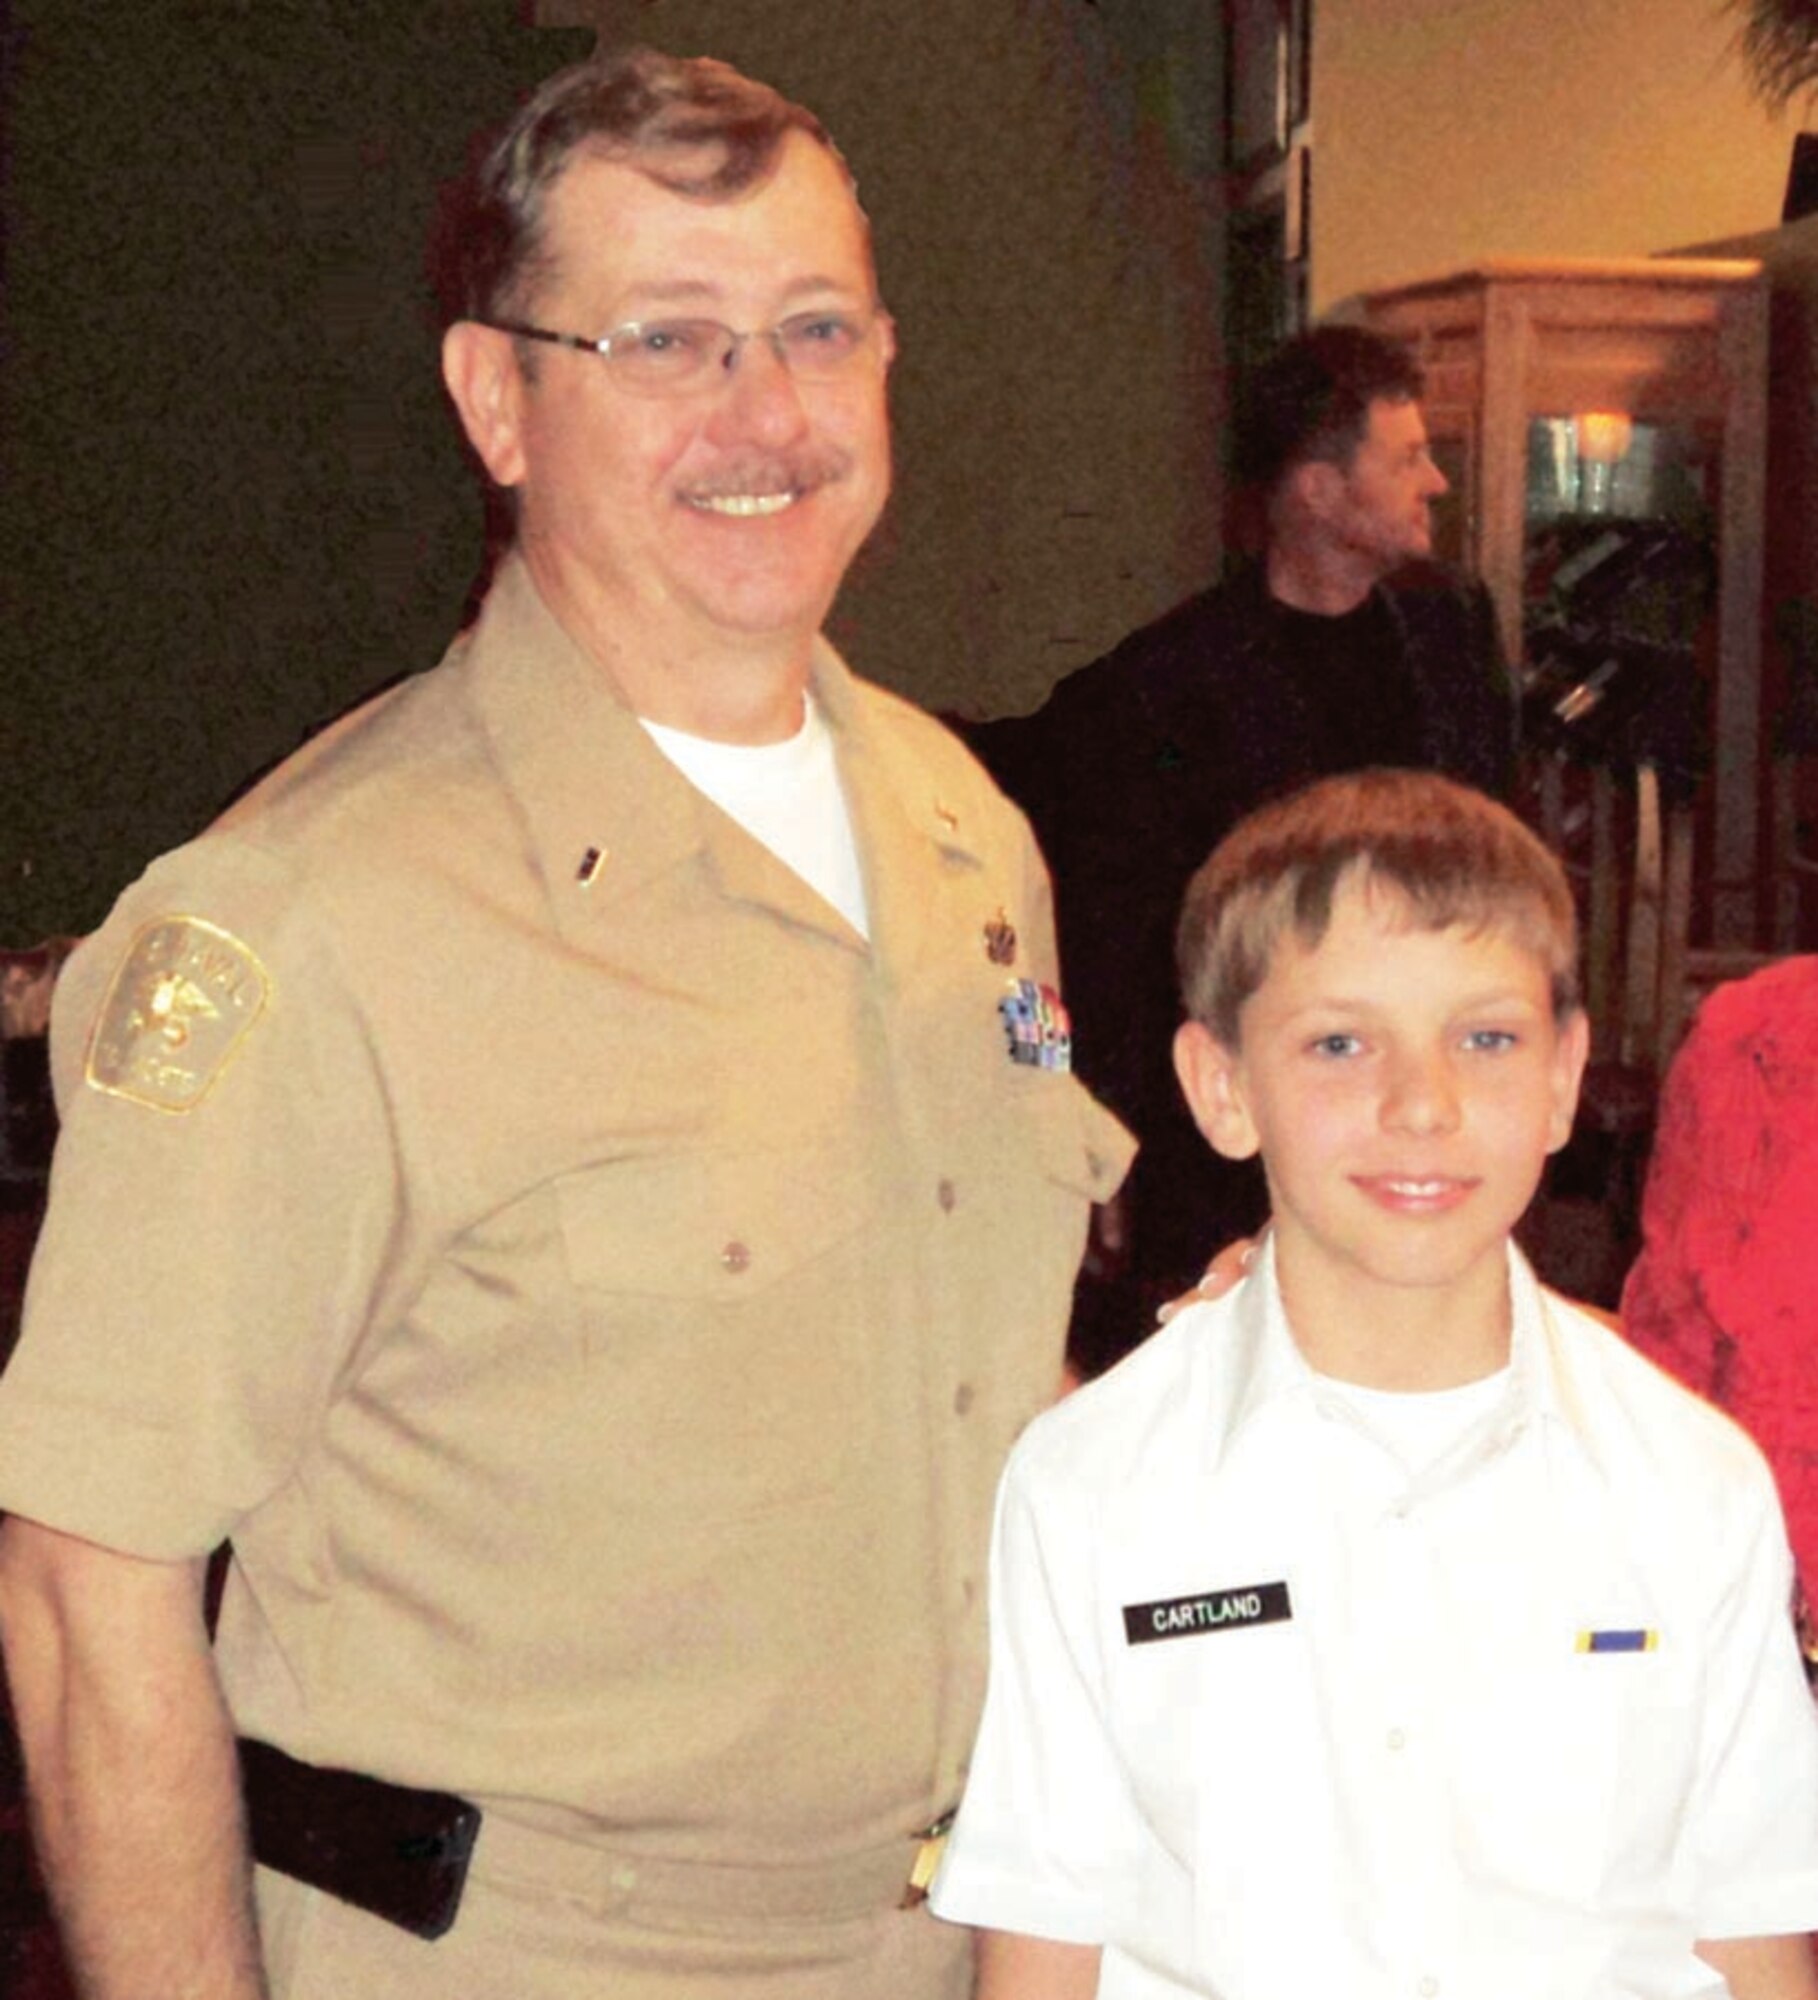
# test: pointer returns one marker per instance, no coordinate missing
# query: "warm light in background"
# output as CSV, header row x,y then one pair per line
x,y
1604,436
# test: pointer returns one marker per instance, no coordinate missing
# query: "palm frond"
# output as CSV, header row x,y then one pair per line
x,y
1778,40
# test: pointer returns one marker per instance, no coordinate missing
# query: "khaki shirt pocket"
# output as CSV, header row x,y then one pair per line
x,y
722,1300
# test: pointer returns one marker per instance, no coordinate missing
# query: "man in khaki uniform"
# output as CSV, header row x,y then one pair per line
x,y
578,1176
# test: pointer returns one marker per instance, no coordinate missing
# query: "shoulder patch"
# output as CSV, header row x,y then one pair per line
x,y
185,997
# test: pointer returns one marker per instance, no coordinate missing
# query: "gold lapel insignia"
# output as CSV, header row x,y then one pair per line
x,y
185,997
1000,939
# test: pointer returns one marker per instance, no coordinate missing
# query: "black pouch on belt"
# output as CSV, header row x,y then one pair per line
x,y
397,1853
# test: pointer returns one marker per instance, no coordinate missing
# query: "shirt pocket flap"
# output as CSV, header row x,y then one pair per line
x,y
1078,1143
722,1227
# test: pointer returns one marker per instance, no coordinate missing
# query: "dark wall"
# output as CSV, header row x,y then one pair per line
x,y
231,501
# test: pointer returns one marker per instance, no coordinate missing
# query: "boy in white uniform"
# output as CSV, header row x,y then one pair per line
x,y
1388,1628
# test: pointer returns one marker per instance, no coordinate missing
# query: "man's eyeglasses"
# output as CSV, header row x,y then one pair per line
x,y
670,357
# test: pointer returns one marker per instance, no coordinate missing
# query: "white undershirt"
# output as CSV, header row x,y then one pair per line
x,y
1419,1425
787,795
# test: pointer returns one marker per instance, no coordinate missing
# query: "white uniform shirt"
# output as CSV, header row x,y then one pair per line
x,y
1269,1719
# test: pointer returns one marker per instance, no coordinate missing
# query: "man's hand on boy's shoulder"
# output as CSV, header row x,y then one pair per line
x,y
1219,1276
1235,1259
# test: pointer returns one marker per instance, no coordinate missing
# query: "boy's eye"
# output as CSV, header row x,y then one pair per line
x,y
1490,1039
1337,1044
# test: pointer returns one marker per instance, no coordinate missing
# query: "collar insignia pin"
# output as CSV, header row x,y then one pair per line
x,y
1000,939
590,867
946,815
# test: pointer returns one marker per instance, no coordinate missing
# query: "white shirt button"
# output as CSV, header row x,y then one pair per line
x,y
1396,1738
1428,1987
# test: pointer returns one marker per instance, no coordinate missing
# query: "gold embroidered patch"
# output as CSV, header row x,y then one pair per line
x,y
185,997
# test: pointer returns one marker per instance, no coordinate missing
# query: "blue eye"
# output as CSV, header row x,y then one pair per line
x,y
1337,1044
1491,1040
826,332
673,339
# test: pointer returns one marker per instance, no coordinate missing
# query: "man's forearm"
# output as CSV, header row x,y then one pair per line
x,y
131,1769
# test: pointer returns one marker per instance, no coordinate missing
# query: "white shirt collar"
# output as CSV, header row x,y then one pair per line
x,y
1263,1370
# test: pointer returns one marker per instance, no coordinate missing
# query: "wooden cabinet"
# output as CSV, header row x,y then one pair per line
x,y
1603,426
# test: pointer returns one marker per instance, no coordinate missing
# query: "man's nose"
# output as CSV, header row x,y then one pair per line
x,y
759,397
1436,482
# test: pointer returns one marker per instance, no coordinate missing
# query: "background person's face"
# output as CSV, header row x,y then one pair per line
x,y
1383,508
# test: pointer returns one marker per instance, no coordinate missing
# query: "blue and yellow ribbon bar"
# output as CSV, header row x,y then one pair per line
x,y
1627,1640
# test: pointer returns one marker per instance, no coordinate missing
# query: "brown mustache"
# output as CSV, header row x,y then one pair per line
x,y
791,472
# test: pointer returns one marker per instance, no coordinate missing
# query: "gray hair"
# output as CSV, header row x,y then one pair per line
x,y
656,112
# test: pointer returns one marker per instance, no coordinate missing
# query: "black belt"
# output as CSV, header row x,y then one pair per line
x,y
398,1853
403,1855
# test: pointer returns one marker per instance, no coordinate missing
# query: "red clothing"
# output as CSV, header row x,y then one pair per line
x,y
1725,1292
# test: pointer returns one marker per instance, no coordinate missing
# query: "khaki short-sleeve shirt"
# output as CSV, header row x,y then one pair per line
x,y
595,1289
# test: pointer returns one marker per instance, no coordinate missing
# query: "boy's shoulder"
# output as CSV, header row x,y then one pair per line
x,y
1622,1393
1166,1398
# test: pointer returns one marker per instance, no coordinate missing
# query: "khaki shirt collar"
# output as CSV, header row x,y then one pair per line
x,y
607,816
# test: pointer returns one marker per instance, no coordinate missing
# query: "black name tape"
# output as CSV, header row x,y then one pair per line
x,y
1206,1611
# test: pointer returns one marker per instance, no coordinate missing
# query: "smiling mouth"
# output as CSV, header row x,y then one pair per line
x,y
1416,1192
744,506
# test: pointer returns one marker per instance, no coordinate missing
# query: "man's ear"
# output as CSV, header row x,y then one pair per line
x,y
1314,487
486,385
1569,1054
1211,1075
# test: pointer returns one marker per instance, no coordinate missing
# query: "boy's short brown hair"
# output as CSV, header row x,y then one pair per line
x,y
1451,855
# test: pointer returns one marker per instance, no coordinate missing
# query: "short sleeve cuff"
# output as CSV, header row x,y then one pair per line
x,y
968,1892
1773,1907
49,1452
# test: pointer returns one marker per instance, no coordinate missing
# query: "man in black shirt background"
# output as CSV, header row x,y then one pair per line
x,y
1341,646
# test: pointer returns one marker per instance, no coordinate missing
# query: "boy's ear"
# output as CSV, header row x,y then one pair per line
x,y
1211,1075
1571,1048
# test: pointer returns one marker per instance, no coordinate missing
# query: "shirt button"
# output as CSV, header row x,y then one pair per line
x,y
1396,1738
1427,1987
735,1257
946,1194
962,1399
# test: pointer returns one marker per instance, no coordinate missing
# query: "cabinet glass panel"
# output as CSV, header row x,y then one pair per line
x,y
1619,580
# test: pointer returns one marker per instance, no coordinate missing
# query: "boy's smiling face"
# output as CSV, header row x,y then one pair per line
x,y
1404,1087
